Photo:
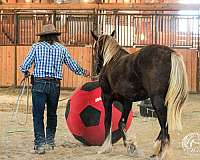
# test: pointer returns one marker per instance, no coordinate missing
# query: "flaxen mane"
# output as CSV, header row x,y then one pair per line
x,y
110,49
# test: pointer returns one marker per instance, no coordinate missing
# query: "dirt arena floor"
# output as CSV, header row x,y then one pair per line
x,y
16,141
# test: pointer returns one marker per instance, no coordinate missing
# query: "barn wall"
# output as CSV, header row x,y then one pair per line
x,y
11,76
7,70
12,57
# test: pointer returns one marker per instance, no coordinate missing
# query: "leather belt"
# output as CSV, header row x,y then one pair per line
x,y
47,78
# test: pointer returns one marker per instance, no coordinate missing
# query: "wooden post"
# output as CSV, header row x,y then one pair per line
x,y
198,73
95,30
16,24
156,28
198,57
54,18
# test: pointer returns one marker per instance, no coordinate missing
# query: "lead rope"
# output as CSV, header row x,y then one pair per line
x,y
23,84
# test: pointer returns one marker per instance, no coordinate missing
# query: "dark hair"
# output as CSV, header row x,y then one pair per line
x,y
50,38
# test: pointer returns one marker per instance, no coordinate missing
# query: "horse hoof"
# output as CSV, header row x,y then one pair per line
x,y
132,151
153,157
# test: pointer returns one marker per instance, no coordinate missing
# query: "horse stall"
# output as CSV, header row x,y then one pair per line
x,y
136,25
133,31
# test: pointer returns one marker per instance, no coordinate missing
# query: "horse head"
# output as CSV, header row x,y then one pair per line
x,y
99,50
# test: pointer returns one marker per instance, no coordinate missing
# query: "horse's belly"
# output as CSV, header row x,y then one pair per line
x,y
130,92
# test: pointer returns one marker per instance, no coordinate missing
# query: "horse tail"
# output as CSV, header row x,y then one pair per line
x,y
177,92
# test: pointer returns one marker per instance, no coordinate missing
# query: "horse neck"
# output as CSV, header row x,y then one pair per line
x,y
121,52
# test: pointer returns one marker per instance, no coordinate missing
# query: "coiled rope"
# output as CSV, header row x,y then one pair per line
x,y
24,84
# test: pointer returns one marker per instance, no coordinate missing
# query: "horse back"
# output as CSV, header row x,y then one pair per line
x,y
135,76
155,53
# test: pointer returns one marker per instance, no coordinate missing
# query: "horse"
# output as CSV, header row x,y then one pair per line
x,y
156,72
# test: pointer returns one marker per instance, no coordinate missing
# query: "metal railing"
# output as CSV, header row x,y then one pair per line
x,y
132,28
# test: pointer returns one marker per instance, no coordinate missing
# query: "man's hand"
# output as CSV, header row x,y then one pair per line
x,y
87,73
26,74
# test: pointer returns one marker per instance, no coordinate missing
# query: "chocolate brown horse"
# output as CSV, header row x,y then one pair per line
x,y
156,72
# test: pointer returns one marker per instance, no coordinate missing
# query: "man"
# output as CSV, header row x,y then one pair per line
x,y
48,56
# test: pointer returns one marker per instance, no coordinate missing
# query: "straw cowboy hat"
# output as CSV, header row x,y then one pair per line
x,y
48,29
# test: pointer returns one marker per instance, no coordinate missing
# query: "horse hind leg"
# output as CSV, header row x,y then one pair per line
x,y
163,141
161,146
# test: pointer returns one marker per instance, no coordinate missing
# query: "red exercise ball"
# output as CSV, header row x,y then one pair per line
x,y
85,115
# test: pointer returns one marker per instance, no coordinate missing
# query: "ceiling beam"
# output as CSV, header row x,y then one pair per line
x,y
111,6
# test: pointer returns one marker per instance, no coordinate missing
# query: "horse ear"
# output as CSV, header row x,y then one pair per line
x,y
94,35
113,33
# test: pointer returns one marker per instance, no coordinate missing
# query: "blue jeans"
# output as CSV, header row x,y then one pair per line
x,y
45,92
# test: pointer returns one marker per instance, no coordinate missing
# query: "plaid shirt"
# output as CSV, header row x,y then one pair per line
x,y
48,60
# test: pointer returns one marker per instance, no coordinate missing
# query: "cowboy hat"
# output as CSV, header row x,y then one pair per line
x,y
48,29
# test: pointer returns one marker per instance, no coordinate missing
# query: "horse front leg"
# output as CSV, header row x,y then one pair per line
x,y
124,117
107,145
131,148
163,140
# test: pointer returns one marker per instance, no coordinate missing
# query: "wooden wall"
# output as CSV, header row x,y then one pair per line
x,y
8,69
11,58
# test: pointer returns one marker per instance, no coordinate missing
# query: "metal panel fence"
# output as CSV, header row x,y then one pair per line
x,y
132,27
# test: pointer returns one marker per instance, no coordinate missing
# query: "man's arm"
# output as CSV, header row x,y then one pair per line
x,y
73,65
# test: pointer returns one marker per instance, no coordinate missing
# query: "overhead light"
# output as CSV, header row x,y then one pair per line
x,y
142,37
85,1
126,1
